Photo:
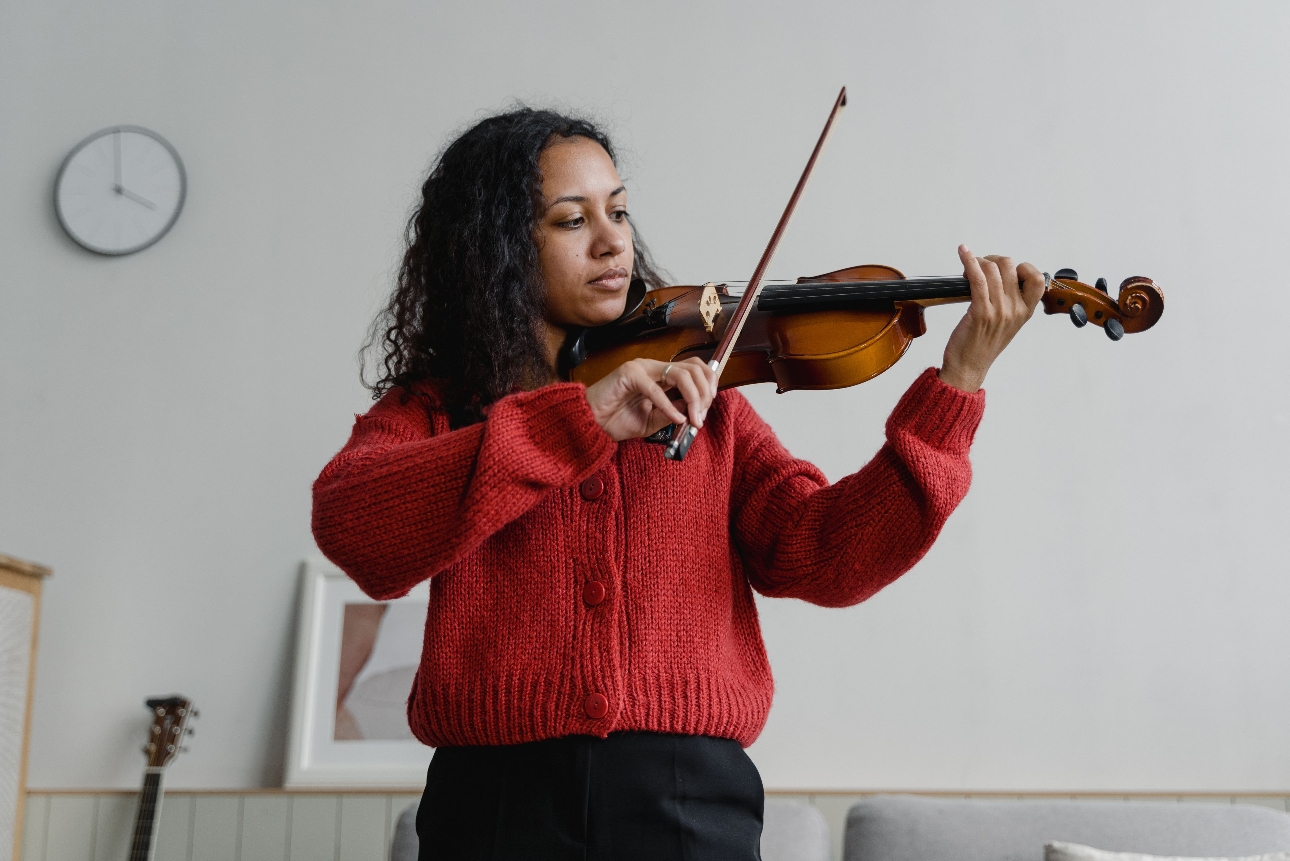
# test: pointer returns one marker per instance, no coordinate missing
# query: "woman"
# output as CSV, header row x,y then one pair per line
x,y
593,667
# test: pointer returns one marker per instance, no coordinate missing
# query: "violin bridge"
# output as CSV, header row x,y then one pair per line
x,y
710,306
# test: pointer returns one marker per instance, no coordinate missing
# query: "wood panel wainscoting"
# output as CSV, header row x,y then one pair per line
x,y
354,825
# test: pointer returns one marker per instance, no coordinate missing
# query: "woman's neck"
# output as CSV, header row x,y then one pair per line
x,y
554,336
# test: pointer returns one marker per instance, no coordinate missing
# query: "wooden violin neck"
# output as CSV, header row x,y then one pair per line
x,y
1136,308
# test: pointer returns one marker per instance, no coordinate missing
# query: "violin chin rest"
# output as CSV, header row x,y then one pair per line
x,y
636,291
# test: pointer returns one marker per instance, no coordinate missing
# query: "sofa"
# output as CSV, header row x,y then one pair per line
x,y
910,828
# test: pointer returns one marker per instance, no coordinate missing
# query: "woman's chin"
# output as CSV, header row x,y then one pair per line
x,y
604,311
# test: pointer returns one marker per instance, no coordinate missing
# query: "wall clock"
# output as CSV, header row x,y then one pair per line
x,y
120,190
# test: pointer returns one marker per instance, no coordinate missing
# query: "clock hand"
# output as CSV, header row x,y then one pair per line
x,y
136,198
116,158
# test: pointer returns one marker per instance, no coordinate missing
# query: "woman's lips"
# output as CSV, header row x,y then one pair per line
x,y
613,279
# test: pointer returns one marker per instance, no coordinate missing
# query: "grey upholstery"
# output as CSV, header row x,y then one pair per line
x,y
404,845
793,831
905,828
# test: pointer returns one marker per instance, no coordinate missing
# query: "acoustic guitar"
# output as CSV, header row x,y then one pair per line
x,y
170,717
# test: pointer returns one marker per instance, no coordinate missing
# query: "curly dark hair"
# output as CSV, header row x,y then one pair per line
x,y
467,305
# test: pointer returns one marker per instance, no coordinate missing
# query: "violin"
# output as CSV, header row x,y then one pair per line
x,y
823,332
829,331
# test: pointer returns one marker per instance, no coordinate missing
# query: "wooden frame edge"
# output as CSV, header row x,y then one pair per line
x,y
26,577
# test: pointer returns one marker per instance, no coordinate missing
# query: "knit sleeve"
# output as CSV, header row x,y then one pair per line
x,y
401,502
838,545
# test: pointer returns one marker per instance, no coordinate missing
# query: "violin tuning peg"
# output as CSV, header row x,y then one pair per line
x,y
1101,285
1067,274
1114,329
1078,315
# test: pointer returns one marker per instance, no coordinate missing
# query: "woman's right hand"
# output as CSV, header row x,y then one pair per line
x,y
632,401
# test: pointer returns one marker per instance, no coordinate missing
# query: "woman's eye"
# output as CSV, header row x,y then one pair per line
x,y
576,221
618,215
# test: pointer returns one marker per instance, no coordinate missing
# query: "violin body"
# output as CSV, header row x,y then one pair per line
x,y
825,332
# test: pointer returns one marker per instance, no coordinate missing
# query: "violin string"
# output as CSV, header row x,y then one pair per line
x,y
782,282
913,283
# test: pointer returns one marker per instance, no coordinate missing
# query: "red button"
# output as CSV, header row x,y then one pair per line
x,y
597,706
592,487
593,592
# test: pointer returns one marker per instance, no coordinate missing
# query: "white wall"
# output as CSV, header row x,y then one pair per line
x,y
1107,608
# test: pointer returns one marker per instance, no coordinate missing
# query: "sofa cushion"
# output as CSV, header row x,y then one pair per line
x,y
1058,851
908,828
793,831
404,846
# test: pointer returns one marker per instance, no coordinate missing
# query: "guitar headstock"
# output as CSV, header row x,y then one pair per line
x,y
1137,307
170,717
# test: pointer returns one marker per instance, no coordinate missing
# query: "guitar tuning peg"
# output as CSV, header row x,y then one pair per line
x,y
1101,285
183,750
196,713
1078,315
192,731
1068,274
1114,329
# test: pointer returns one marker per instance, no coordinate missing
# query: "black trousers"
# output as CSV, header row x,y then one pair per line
x,y
631,796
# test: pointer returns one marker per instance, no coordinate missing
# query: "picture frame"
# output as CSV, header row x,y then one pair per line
x,y
358,739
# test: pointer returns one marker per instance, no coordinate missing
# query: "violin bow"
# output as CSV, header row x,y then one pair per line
x,y
686,434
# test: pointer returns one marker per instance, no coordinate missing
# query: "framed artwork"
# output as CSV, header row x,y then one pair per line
x,y
355,659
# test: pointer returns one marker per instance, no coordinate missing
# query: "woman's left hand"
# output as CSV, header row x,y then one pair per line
x,y
1004,296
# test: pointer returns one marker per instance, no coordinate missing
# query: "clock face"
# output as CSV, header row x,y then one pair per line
x,y
120,190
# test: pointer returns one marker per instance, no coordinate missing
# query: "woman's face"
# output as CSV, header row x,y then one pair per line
x,y
583,238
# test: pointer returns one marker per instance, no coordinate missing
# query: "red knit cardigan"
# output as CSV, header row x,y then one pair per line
x,y
583,586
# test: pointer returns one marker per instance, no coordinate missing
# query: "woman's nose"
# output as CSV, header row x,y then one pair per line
x,y
610,242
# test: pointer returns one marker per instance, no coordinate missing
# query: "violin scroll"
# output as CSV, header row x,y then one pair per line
x,y
1137,308
1142,300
